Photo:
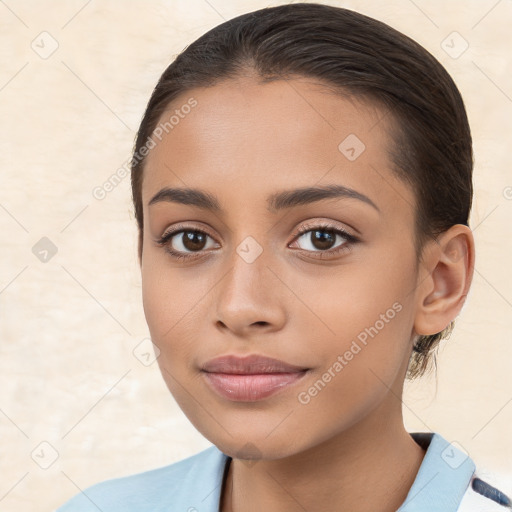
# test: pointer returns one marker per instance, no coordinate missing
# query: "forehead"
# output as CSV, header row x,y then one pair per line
x,y
244,139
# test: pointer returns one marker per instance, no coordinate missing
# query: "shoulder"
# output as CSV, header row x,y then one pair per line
x,y
449,480
177,484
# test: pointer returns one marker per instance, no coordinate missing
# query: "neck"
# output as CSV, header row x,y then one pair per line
x,y
370,466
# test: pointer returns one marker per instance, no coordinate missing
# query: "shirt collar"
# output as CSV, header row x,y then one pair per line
x,y
441,481
443,476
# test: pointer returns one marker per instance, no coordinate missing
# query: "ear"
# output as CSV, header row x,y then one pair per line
x,y
444,279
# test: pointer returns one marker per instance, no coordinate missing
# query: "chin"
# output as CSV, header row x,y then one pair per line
x,y
254,448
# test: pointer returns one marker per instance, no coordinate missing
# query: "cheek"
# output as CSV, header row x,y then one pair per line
x,y
169,314
369,317
155,300
174,303
367,310
169,296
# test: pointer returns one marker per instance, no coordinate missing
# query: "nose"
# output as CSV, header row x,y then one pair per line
x,y
250,297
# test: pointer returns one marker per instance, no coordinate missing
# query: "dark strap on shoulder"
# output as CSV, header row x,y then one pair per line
x,y
491,492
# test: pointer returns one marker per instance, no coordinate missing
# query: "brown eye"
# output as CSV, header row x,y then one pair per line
x,y
182,243
188,241
323,239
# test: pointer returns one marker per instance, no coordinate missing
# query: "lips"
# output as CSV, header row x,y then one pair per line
x,y
253,364
250,378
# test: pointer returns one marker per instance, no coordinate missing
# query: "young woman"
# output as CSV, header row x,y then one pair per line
x,y
302,182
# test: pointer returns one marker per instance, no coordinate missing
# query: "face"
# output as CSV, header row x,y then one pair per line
x,y
322,282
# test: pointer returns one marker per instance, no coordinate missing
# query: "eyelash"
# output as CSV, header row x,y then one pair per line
x,y
164,240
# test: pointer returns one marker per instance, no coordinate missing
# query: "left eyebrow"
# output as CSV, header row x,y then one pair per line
x,y
275,202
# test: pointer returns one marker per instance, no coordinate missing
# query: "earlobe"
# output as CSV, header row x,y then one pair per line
x,y
445,280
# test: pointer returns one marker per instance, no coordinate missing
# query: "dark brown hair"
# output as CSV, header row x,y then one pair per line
x,y
355,54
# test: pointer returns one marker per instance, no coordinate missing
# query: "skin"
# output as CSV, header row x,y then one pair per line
x,y
242,142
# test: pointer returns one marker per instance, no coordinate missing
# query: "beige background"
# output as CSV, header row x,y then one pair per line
x,y
69,326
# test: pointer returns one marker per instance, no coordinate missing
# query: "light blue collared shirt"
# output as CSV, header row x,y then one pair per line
x,y
194,484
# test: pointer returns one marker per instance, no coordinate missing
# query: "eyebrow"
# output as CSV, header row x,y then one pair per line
x,y
275,202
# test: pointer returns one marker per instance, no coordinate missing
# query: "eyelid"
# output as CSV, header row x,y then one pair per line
x,y
324,224
303,228
183,226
